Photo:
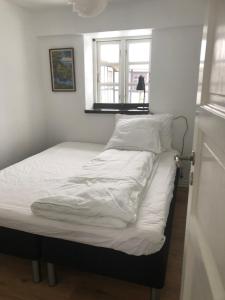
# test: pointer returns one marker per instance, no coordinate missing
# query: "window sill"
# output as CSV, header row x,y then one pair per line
x,y
119,108
117,111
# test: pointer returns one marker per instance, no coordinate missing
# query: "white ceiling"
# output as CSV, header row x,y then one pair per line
x,y
45,3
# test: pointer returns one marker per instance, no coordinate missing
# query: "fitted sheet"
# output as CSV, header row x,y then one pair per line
x,y
21,184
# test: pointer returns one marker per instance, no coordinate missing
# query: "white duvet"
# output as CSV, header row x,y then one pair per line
x,y
107,191
23,183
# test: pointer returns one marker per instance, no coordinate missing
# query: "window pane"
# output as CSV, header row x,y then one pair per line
x,y
139,51
134,71
109,67
109,53
109,74
135,96
118,71
109,94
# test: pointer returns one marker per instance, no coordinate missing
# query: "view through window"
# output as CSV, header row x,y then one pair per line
x,y
122,70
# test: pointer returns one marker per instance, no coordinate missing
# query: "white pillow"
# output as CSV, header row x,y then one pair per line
x,y
136,134
165,120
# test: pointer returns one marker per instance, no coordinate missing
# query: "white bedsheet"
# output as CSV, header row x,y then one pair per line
x,y
107,192
20,184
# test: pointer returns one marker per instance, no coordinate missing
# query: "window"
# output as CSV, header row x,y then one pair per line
x,y
122,70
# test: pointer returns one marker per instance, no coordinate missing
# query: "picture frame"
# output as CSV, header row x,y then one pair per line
x,y
62,69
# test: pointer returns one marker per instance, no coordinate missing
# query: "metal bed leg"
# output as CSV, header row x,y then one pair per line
x,y
52,281
155,294
36,271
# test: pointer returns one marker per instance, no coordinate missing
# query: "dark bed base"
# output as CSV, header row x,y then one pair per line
x,y
146,270
22,244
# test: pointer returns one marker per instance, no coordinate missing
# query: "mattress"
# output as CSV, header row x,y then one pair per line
x,y
23,183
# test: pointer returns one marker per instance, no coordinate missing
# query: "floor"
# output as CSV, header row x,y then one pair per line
x,y
16,282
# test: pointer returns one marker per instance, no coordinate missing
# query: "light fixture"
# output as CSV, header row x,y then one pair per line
x,y
141,87
88,8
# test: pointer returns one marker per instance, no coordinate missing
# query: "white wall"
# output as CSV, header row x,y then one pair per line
x,y
175,60
66,118
21,103
176,47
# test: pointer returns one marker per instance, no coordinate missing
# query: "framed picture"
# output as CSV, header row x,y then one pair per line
x,y
62,69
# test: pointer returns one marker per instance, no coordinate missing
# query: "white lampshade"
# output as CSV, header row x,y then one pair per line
x,y
89,8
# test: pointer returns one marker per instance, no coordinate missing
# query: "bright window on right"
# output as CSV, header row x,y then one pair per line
x,y
122,70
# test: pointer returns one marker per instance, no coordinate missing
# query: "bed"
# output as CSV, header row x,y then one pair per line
x,y
128,254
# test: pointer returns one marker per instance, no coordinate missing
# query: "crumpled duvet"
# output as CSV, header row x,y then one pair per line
x,y
107,191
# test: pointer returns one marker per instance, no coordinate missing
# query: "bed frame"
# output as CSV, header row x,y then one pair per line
x,y
22,244
146,270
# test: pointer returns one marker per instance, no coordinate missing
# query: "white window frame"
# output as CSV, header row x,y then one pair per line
x,y
124,71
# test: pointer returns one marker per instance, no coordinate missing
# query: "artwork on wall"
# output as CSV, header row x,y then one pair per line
x,y
62,69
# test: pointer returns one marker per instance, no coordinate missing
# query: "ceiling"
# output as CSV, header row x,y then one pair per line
x,y
46,3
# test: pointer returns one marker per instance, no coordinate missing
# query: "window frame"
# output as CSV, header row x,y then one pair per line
x,y
124,66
